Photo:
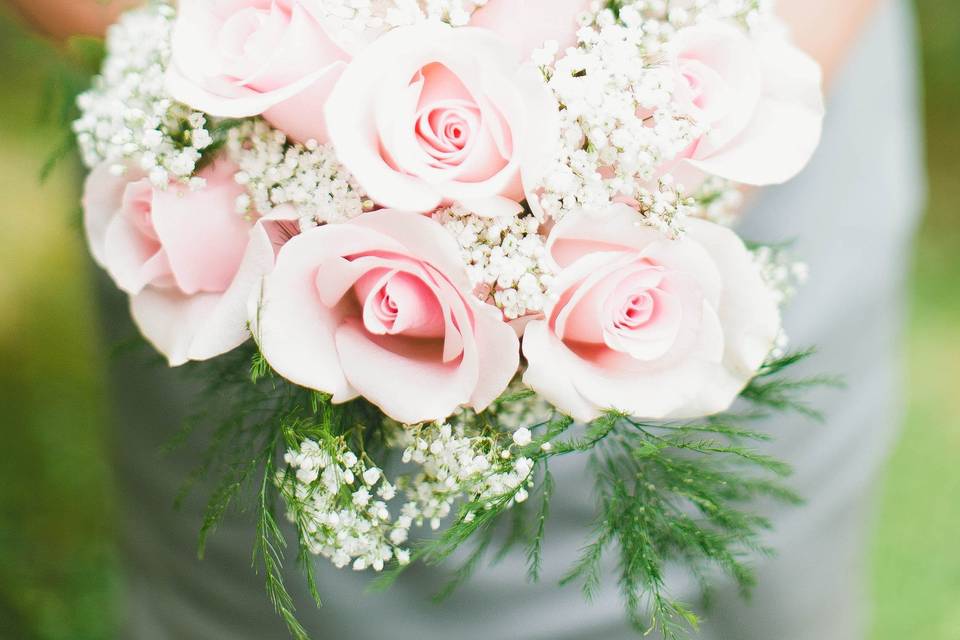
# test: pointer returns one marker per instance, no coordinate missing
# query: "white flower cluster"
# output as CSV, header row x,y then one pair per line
x,y
505,258
309,177
127,117
618,121
458,465
719,201
661,19
619,124
340,501
665,17
331,498
352,20
666,207
784,276
455,12
780,271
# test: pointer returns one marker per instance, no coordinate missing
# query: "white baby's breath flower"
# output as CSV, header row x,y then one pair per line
x,y
505,258
307,176
371,475
127,116
522,437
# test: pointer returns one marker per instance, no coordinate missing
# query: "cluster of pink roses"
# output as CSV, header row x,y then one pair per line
x,y
424,116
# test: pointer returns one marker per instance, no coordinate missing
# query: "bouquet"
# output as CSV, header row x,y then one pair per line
x,y
427,247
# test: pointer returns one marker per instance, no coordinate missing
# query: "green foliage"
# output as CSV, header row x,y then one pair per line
x,y
68,76
771,390
255,416
667,492
252,414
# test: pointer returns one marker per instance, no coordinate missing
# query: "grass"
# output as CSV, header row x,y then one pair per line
x,y
916,560
56,561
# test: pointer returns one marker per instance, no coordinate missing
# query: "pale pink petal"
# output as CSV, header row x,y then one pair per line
x,y
375,109
422,237
294,52
579,234
407,379
102,197
551,370
192,39
445,296
170,320
228,63
301,116
227,326
542,127
786,127
728,60
350,112
528,24
131,259
692,259
498,351
586,284
492,207
201,232
748,310
660,392
234,101
293,327
418,313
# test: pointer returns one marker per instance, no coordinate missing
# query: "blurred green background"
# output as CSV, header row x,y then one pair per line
x,y
56,563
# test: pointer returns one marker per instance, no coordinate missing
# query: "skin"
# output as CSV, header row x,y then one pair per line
x,y
61,19
826,28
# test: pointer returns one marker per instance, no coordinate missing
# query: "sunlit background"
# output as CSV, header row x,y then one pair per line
x,y
57,564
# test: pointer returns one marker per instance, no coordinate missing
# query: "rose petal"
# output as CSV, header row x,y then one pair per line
x,y
528,24
170,320
202,234
785,130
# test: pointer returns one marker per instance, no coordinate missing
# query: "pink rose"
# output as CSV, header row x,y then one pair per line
x,y
240,58
381,307
186,258
429,115
657,328
760,96
528,24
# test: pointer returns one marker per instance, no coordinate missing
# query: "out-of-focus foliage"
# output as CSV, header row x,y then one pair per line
x,y
916,560
57,571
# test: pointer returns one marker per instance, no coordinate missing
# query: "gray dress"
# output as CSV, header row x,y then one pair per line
x,y
852,212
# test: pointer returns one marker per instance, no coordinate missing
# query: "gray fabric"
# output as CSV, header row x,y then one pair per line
x,y
852,213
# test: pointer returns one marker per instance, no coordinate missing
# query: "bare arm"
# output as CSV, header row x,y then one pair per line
x,y
64,18
826,29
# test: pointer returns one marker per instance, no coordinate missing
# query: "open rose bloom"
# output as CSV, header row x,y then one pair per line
x,y
455,229
419,206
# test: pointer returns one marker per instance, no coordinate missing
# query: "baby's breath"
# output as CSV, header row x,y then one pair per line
x,y
307,176
128,117
620,124
618,121
505,259
353,21
341,501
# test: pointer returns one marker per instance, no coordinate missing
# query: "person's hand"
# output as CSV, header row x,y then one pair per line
x,y
64,18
